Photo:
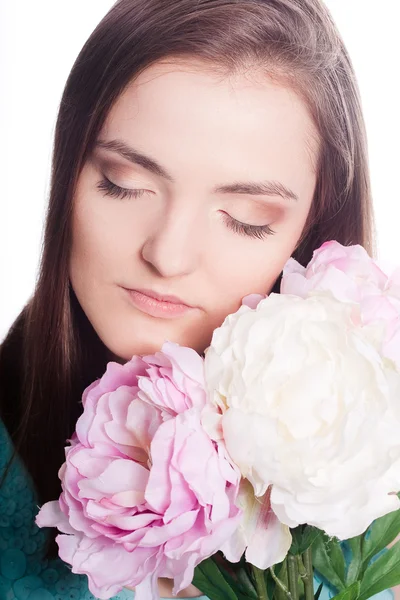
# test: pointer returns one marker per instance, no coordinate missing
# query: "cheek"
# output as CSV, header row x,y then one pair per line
x,y
88,242
101,240
253,265
248,266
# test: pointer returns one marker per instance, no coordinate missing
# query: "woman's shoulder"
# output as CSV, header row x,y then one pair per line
x,y
24,571
14,478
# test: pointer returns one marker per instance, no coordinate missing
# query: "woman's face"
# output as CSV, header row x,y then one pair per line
x,y
208,154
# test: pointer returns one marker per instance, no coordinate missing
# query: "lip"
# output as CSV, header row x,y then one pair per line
x,y
157,305
163,297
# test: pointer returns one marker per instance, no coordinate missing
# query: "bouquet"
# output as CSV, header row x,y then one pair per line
x,y
248,469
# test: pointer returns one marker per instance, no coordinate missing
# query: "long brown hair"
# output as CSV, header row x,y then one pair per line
x,y
51,352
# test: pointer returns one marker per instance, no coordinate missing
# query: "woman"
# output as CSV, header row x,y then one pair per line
x,y
198,146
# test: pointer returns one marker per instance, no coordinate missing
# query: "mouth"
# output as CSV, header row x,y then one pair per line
x,y
158,305
162,297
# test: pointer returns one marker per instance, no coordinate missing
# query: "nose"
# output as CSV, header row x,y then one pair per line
x,y
174,247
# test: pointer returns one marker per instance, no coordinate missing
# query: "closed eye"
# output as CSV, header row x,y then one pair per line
x,y
255,231
111,189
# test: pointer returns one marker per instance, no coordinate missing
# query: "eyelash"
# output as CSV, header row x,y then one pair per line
x,y
255,231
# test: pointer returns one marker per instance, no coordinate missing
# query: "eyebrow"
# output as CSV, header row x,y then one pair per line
x,y
265,188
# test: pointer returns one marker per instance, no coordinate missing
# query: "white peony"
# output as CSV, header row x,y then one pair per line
x,y
305,403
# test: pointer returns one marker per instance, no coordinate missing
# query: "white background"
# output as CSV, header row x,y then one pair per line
x,y
39,41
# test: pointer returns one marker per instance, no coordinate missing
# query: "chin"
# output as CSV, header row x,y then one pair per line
x,y
123,351
139,339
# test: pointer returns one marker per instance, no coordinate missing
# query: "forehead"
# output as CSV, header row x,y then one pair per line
x,y
191,102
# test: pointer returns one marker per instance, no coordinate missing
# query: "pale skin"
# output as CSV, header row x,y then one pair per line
x,y
205,131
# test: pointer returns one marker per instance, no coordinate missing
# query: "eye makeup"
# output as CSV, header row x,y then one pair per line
x,y
255,231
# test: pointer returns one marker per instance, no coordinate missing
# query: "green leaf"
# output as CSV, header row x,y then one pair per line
x,y
283,576
337,558
381,533
223,565
297,535
328,559
356,560
302,538
209,579
270,583
241,580
318,592
246,583
350,593
382,574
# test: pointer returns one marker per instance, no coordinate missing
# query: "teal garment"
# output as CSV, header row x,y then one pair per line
x,y
24,573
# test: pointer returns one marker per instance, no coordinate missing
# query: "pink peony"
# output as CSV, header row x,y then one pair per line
x,y
349,274
146,492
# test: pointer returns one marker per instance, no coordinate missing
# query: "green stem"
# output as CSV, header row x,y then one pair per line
x,y
293,574
309,580
301,568
261,586
280,584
